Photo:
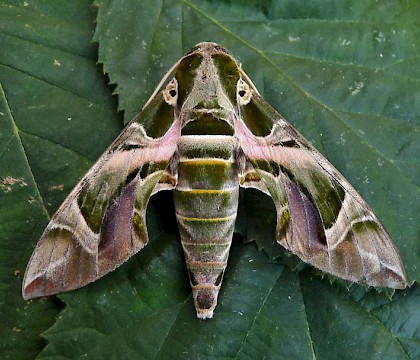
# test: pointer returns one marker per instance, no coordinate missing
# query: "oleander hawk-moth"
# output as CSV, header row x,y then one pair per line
x,y
204,133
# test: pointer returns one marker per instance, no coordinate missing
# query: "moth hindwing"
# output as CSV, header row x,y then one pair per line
x,y
203,135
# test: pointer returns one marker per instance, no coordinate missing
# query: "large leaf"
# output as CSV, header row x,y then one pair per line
x,y
344,73
53,101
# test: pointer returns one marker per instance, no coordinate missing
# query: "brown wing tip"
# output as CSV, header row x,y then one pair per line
x,y
33,289
388,278
38,287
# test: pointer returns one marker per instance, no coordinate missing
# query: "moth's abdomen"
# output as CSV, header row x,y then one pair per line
x,y
206,203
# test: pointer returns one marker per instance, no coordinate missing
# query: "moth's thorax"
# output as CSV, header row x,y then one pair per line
x,y
207,90
207,109
206,203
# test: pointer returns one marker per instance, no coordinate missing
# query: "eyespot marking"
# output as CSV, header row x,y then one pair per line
x,y
170,94
243,93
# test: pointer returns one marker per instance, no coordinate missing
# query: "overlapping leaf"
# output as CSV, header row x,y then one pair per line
x,y
52,94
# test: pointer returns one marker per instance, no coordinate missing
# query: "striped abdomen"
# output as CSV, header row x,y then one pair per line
x,y
206,203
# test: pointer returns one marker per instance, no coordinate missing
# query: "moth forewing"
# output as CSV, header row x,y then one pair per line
x,y
102,221
323,220
203,135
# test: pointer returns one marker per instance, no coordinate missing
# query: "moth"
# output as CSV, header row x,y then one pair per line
x,y
204,133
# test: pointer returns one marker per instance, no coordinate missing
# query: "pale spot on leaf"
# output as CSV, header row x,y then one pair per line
x,y
344,42
56,187
356,87
294,38
8,182
380,37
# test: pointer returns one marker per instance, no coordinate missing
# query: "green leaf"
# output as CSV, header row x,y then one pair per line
x,y
56,117
21,213
344,73
357,332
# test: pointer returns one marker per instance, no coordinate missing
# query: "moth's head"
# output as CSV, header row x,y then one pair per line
x,y
207,48
207,76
